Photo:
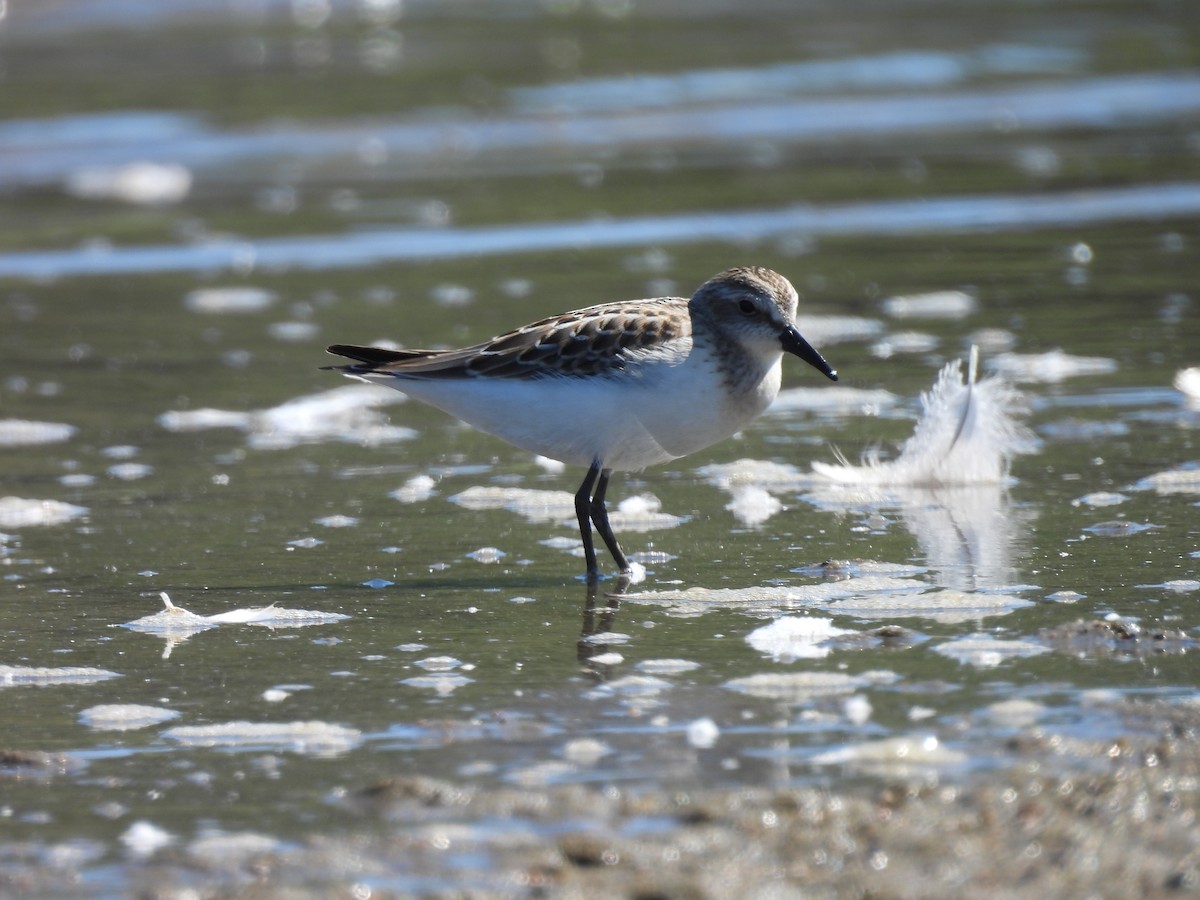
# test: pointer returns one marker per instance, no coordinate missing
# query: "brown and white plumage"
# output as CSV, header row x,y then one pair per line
x,y
617,386
590,341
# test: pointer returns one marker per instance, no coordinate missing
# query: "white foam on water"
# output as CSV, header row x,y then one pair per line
x,y
143,839
933,305
12,676
438,663
124,716
836,400
204,419
987,651
1100,498
585,751
232,851
803,687
130,471
24,432
1187,382
441,683
1182,480
312,738
857,709
20,512
487,555
895,757
703,733
1050,367
293,332
752,505
346,414
904,342
772,476
136,183
821,331
223,300
415,490
642,512
770,598
946,606
630,687
790,638
534,505
1015,713
666,666
338,521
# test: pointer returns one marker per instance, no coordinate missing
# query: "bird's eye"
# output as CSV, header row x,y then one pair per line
x,y
747,307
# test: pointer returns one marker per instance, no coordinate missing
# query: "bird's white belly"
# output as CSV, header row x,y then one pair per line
x,y
663,412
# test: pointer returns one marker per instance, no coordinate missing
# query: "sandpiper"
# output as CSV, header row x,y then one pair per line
x,y
619,386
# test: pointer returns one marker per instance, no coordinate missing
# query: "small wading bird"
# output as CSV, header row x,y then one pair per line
x,y
619,386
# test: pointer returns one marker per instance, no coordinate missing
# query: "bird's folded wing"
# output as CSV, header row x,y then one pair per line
x,y
589,341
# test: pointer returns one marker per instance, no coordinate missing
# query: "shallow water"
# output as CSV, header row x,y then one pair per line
x,y
435,179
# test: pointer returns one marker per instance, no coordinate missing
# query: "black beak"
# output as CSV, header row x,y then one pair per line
x,y
794,342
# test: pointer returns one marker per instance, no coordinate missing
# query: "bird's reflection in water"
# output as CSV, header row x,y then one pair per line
x,y
599,614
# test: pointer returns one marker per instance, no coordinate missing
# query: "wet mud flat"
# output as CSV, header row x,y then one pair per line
x,y
1110,816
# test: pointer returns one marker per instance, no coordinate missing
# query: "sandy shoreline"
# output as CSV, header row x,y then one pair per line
x,y
1112,817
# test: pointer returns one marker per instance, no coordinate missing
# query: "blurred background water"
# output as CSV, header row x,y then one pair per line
x,y
197,197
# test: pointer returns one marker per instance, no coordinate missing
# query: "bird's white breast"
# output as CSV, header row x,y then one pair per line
x,y
661,406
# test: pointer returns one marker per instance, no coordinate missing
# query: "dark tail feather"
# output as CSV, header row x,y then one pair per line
x,y
373,357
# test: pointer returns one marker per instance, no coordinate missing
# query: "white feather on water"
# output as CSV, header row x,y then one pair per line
x,y
968,433
176,624
176,619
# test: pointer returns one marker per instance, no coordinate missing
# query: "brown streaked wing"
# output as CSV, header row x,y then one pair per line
x,y
585,342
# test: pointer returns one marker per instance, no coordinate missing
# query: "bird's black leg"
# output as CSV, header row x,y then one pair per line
x,y
600,519
583,512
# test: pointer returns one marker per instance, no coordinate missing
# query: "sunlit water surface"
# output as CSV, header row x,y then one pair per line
x,y
305,182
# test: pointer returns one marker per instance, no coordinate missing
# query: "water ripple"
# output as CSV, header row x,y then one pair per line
x,y
414,147
891,217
